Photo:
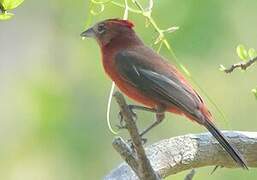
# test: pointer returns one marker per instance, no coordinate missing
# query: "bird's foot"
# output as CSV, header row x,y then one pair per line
x,y
131,108
143,141
122,124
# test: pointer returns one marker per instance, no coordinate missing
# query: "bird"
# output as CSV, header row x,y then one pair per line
x,y
149,79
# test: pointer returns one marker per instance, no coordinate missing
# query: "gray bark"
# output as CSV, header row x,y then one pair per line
x,y
171,156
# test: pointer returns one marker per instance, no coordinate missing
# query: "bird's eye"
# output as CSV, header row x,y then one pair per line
x,y
100,28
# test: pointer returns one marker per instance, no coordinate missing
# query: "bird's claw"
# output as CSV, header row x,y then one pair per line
x,y
143,140
121,127
121,117
131,108
122,124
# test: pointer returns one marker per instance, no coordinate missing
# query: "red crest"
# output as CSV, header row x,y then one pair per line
x,y
126,23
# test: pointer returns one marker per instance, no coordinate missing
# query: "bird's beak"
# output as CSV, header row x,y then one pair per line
x,y
88,33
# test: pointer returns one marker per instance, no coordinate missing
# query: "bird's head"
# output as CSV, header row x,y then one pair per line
x,y
107,30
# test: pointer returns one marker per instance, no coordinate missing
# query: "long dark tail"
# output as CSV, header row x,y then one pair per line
x,y
232,151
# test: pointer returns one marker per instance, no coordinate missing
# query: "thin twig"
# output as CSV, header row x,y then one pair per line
x,y
144,170
242,65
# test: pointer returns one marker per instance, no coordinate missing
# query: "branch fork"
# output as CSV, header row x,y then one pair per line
x,y
177,154
137,160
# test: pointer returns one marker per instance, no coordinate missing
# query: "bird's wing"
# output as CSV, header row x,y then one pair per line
x,y
154,83
157,83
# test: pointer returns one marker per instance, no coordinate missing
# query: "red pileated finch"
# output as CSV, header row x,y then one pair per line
x,y
149,79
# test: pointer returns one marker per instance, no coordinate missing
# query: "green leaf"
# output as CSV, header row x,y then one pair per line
x,y
252,53
242,52
10,4
6,16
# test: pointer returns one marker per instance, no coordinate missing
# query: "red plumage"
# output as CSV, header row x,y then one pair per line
x,y
126,23
149,79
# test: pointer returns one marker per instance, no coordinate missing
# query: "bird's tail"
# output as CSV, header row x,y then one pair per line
x,y
232,151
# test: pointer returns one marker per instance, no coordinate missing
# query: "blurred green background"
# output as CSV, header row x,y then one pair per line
x,y
53,92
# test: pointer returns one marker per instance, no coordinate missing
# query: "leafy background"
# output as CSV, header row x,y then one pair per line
x,y
54,93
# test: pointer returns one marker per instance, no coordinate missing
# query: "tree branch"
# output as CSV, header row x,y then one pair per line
x,y
170,156
139,161
126,153
241,65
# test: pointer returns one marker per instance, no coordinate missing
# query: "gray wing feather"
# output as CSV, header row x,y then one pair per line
x,y
158,85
